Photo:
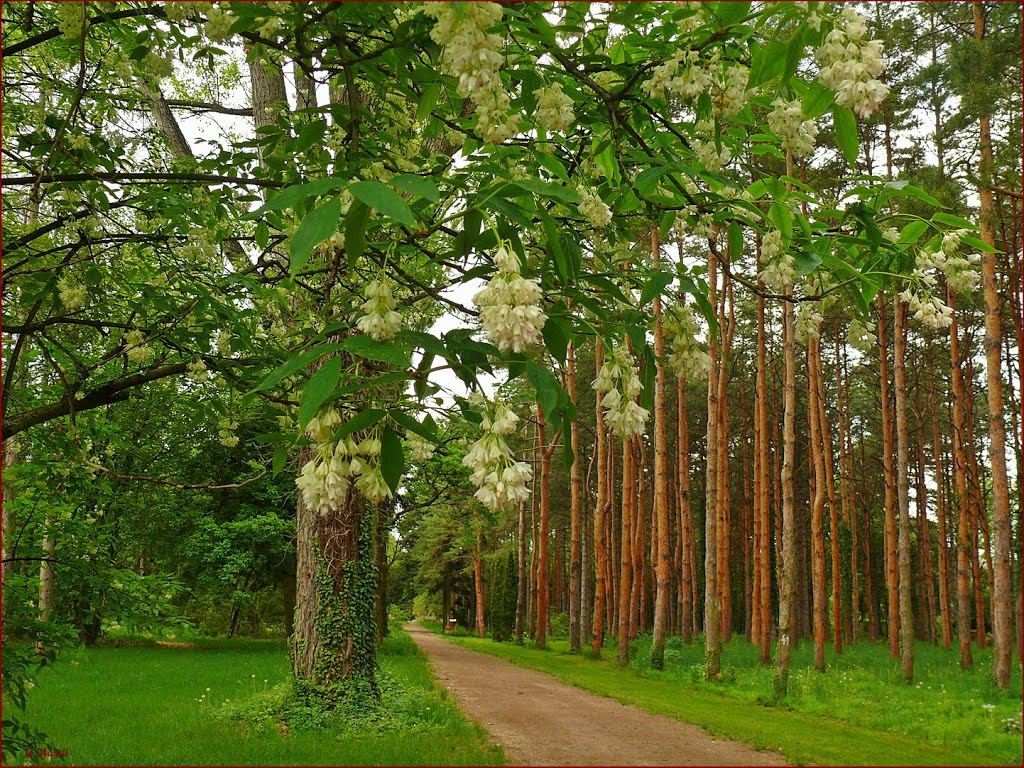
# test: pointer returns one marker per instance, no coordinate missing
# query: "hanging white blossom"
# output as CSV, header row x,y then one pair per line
x,y
620,385
593,208
381,321
850,65
687,358
510,305
786,121
501,481
554,109
779,271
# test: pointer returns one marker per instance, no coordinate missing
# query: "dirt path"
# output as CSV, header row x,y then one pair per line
x,y
541,721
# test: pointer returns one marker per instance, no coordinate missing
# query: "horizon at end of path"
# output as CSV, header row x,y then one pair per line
x,y
539,720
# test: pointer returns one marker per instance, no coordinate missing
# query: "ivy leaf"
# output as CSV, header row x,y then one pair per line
x,y
315,228
846,133
392,458
384,200
318,389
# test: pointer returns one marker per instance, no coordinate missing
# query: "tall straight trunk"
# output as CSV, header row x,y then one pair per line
x,y
10,458
833,508
46,572
727,326
600,537
746,539
903,474
543,531
613,521
478,579
663,565
763,596
978,513
638,538
626,542
575,544
940,514
521,575
846,480
817,504
963,557
535,497
891,555
788,555
924,536
1002,615
687,579
874,627
712,596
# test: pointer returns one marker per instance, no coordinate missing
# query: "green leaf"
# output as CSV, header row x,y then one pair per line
x,y
766,63
280,457
362,420
953,221
556,332
806,262
428,101
315,228
392,458
384,200
546,385
289,197
658,282
781,218
294,364
729,12
318,389
309,135
735,242
913,231
355,232
548,189
382,351
410,424
816,101
980,244
417,185
910,189
846,133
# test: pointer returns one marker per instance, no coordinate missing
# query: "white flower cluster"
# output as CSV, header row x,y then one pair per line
x,y
808,321
510,305
157,67
179,11
929,310
227,432
687,359
218,22
554,109
223,342
961,276
850,65
197,372
473,55
709,156
336,467
72,296
499,478
69,19
682,75
135,347
779,271
729,89
961,272
593,208
420,449
786,121
381,321
861,335
620,385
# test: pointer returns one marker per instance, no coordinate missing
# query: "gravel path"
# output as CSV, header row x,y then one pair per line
x,y
541,721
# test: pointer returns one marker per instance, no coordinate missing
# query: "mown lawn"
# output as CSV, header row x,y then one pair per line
x,y
858,713
166,706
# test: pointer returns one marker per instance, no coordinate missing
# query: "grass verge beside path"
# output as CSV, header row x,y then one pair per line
x,y
803,737
165,706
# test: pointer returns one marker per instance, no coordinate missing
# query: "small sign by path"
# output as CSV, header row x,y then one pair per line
x,y
539,720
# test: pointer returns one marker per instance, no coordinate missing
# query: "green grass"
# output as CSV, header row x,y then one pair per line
x,y
167,706
858,713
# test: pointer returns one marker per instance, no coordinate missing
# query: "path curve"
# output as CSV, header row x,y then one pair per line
x,y
539,720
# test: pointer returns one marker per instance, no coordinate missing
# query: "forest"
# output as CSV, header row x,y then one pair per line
x,y
669,350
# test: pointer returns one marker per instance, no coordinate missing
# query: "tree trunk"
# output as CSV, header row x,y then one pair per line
x,y
1002,616
626,543
963,558
663,566
726,327
712,595
903,473
820,598
478,578
688,576
10,458
833,507
46,572
788,553
762,596
575,544
521,573
891,556
600,538
940,513
543,531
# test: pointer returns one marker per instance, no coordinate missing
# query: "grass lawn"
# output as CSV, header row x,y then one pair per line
x,y
164,706
858,713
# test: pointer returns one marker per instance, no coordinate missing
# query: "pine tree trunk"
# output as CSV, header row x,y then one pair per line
x,y
687,585
891,555
846,481
478,579
1002,616
543,531
663,565
903,475
940,513
924,536
712,596
762,493
575,544
626,543
788,556
600,538
817,505
727,326
963,558
833,509
521,574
